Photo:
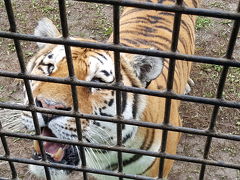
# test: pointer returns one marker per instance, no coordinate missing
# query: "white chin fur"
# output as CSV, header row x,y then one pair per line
x,y
56,174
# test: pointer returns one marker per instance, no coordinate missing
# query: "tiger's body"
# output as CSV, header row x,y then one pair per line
x,y
153,29
139,28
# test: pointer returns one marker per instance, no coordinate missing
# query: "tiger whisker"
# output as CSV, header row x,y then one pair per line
x,y
105,156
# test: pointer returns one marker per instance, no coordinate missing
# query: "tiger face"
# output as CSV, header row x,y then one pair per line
x,y
89,65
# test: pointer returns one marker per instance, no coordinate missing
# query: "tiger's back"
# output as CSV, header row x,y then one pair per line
x,y
150,29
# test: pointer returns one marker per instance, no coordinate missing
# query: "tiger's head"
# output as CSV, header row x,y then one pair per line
x,y
89,65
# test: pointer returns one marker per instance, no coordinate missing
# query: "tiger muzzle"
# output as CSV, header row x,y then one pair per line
x,y
49,104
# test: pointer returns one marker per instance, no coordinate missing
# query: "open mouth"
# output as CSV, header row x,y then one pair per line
x,y
56,152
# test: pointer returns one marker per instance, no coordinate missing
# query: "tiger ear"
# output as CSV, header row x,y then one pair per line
x,y
147,68
46,28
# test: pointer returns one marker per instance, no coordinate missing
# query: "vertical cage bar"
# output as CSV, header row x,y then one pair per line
x,y
116,39
13,28
7,153
171,69
64,25
221,84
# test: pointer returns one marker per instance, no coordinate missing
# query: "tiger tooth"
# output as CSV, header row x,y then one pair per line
x,y
58,155
36,146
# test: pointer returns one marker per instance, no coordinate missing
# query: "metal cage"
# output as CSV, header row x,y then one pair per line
x,y
179,9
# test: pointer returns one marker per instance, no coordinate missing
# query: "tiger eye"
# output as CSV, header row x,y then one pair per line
x,y
50,56
50,68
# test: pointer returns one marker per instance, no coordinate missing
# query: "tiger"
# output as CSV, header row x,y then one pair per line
x,y
139,28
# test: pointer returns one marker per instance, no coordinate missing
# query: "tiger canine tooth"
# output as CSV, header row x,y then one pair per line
x,y
36,146
58,155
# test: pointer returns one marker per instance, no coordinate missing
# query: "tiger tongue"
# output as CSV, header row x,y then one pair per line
x,y
52,148
56,150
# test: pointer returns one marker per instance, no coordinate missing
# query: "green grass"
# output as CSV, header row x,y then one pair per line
x,y
211,68
232,86
104,27
47,7
203,22
1,4
231,150
108,31
11,47
2,88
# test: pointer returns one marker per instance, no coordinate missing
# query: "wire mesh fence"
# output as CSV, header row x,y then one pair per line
x,y
226,62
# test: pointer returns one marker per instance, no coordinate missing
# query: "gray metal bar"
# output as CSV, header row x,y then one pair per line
x,y
170,8
107,172
167,94
7,154
111,47
13,28
170,77
63,17
116,41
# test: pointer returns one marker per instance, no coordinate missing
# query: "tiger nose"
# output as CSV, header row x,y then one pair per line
x,y
49,104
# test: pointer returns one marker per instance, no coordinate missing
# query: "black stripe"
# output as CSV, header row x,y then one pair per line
x,y
134,158
96,123
104,114
154,44
148,83
42,63
138,42
146,19
186,27
133,21
195,3
167,14
166,64
124,44
184,43
177,73
124,100
104,57
130,41
98,59
128,136
165,28
177,69
105,72
150,19
154,19
135,104
149,167
40,68
110,103
164,77
150,35
146,28
107,52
